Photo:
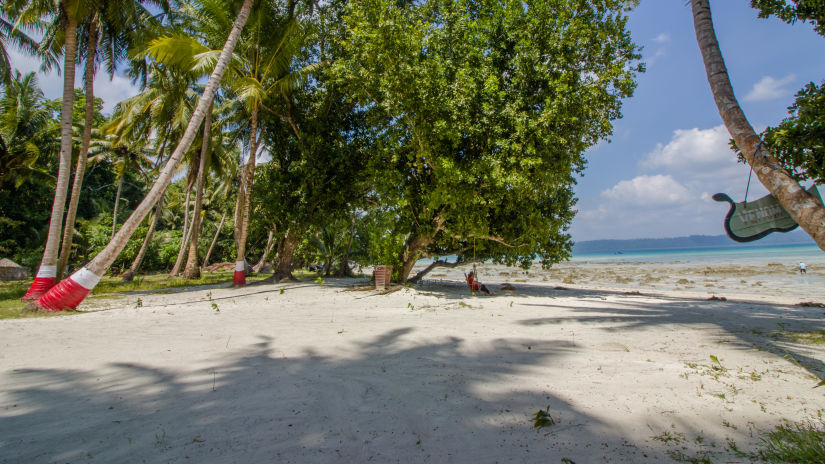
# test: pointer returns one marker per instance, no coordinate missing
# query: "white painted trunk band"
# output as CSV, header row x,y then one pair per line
x,y
47,271
240,265
86,278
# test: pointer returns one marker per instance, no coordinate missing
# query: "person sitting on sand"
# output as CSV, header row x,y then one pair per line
x,y
475,285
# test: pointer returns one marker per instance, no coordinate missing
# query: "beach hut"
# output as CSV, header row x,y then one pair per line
x,y
9,270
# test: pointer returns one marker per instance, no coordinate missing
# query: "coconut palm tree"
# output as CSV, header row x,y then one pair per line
x,y
265,72
11,36
116,25
68,14
25,130
71,291
801,205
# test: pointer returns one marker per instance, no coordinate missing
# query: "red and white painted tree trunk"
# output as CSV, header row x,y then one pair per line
x,y
70,292
45,278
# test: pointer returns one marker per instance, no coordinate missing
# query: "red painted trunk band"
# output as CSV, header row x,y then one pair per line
x,y
239,278
65,295
39,287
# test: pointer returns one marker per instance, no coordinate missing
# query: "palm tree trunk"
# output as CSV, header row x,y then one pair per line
x,y
117,200
133,270
214,240
239,278
45,278
185,234
270,243
799,204
192,269
80,170
71,291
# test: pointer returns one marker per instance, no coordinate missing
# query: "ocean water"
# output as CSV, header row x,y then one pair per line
x,y
745,254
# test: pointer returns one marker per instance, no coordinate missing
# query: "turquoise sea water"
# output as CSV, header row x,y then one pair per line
x,y
783,254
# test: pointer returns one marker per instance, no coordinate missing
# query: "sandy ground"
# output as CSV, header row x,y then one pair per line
x,y
631,365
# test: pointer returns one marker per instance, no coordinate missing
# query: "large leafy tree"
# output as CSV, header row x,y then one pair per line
x,y
794,10
800,205
482,111
798,143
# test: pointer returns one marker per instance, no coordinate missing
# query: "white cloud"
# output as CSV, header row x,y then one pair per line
x,y
658,190
698,151
664,37
111,91
769,88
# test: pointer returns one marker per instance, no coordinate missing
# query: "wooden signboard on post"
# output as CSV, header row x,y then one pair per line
x,y
751,220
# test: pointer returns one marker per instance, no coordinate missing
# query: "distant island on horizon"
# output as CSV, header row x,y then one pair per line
x,y
796,237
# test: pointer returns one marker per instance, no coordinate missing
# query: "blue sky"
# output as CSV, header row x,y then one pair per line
x,y
669,154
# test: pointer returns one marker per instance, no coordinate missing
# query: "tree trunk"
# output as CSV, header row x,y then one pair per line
x,y
192,269
133,270
70,292
239,278
45,278
214,240
130,274
80,171
117,200
185,234
270,243
412,251
286,252
344,270
799,204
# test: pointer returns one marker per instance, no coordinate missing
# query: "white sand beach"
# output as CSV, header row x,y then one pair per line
x,y
633,362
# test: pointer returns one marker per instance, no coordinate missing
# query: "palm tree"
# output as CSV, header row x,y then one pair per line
x,y
801,205
24,130
114,24
71,291
125,158
66,13
265,71
9,35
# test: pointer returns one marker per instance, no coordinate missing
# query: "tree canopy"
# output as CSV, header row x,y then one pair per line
x,y
481,113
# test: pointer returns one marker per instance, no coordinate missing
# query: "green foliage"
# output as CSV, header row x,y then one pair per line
x,y
794,10
481,114
799,141
542,418
795,443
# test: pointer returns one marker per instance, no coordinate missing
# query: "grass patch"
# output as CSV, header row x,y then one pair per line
x,y
795,443
10,292
808,338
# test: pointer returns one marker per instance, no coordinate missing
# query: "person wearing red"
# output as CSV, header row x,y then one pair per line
x,y
475,285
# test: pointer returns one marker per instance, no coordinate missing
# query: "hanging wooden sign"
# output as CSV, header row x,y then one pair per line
x,y
752,220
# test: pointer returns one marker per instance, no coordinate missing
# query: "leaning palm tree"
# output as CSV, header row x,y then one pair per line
x,y
799,204
66,13
71,291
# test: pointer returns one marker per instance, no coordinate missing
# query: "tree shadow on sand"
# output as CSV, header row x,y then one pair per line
x,y
385,401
